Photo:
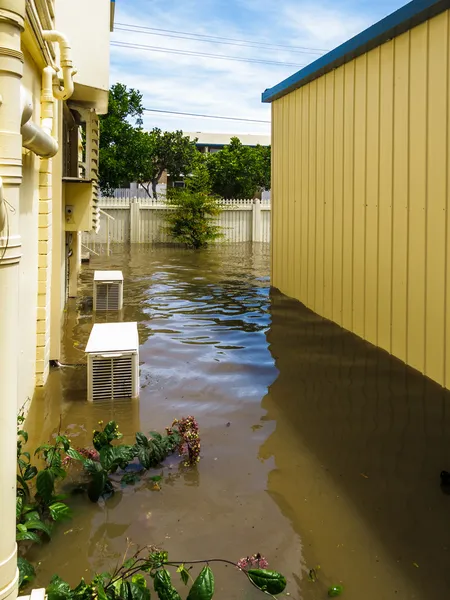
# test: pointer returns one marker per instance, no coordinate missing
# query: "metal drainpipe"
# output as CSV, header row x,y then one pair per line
x,y
12,14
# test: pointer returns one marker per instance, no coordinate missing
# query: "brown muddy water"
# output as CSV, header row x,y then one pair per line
x,y
317,448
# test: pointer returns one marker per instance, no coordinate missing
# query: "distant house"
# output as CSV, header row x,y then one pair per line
x,y
360,188
213,142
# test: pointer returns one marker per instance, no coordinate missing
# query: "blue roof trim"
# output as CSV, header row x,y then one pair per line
x,y
405,18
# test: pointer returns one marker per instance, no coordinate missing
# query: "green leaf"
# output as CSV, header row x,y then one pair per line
x,y
130,478
138,588
45,484
60,511
101,592
32,515
58,472
141,440
23,434
163,586
156,478
112,457
144,455
335,590
64,441
19,505
30,472
23,485
26,571
97,485
58,589
28,536
203,586
271,582
184,574
75,454
92,466
42,448
21,527
39,526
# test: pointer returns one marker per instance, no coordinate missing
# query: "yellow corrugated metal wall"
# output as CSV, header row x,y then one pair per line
x,y
361,225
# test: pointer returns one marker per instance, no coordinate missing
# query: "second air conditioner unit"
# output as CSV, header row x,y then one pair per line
x,y
108,290
113,362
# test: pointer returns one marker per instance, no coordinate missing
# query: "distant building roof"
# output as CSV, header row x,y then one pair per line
x,y
403,19
223,139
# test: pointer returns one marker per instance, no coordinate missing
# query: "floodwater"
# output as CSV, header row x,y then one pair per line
x,y
317,448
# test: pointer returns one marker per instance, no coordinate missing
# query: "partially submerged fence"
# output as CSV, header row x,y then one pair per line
x,y
140,220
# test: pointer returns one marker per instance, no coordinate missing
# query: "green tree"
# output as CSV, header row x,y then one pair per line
x,y
161,151
195,209
239,171
119,133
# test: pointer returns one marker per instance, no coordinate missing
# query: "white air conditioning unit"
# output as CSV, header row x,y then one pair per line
x,y
113,362
108,290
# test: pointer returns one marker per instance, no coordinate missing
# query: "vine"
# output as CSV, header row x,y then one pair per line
x,y
130,580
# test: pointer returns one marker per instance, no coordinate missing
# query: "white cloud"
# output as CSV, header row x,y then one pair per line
x,y
217,87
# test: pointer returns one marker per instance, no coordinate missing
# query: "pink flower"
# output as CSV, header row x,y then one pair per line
x,y
256,561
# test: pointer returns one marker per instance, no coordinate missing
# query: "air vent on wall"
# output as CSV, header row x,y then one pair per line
x,y
113,362
108,290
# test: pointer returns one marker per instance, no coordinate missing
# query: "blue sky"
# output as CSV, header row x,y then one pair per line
x,y
218,87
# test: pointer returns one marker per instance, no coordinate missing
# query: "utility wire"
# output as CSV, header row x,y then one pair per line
x,y
216,37
202,54
185,114
212,40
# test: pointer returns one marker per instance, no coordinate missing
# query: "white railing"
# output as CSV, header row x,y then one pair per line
x,y
141,220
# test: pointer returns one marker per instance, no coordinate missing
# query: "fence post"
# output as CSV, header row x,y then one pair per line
x,y
256,225
134,221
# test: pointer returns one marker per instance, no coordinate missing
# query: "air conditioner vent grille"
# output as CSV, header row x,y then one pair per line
x,y
108,296
112,377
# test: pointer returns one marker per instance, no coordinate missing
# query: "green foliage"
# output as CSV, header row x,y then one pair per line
x,y
203,586
36,514
238,171
194,211
128,153
163,586
268,581
119,134
161,151
26,571
105,436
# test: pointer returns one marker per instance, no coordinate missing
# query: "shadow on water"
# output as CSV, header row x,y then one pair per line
x,y
317,449
359,443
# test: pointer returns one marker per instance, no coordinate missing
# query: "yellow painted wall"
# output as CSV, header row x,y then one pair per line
x,y
361,226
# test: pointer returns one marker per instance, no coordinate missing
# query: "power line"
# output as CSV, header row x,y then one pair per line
x,y
185,114
216,37
214,40
202,54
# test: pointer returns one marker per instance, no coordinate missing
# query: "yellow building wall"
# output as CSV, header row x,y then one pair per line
x,y
361,226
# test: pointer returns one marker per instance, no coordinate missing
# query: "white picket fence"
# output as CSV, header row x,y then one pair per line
x,y
141,220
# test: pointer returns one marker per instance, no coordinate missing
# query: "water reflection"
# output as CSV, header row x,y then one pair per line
x,y
358,445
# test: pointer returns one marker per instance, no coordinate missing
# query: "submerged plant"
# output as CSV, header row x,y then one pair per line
x,y
133,578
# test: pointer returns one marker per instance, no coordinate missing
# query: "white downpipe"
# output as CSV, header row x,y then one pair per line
x,y
65,51
39,139
12,14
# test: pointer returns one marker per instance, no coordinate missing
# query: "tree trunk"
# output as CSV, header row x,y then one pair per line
x,y
154,184
147,189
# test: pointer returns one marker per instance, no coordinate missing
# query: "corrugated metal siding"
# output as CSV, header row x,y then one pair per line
x,y
360,196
